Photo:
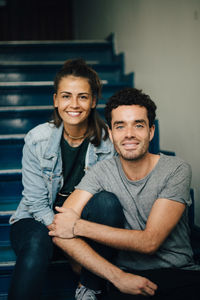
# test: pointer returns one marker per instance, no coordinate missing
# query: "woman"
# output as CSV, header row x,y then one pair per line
x,y
55,157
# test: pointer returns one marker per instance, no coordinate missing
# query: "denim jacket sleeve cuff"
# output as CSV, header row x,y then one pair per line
x,y
47,219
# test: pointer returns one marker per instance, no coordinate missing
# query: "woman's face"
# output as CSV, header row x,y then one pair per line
x,y
74,100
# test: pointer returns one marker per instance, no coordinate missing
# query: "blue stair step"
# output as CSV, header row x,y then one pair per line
x,y
4,229
11,189
11,151
20,120
41,93
46,71
6,252
98,51
26,93
5,276
60,284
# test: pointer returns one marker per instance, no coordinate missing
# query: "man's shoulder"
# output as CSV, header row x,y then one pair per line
x,y
173,163
106,164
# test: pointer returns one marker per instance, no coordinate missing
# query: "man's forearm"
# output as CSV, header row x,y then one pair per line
x,y
124,239
147,241
81,252
128,283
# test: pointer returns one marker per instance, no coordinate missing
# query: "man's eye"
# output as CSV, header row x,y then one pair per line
x,y
139,126
119,127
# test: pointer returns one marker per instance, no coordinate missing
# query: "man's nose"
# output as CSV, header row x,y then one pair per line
x,y
130,132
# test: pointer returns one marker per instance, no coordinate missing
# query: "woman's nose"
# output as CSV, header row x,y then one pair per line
x,y
74,102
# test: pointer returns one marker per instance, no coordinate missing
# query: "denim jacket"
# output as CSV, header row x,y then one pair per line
x,y
42,171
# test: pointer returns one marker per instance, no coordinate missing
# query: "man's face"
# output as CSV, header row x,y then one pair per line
x,y
130,131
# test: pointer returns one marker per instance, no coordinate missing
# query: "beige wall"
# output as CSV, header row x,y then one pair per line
x,y
161,43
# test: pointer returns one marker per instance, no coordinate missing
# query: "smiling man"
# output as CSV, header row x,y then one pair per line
x,y
154,193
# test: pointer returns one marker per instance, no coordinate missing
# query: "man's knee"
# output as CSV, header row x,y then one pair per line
x,y
104,208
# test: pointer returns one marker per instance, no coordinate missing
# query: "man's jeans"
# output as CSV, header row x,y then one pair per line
x,y
34,248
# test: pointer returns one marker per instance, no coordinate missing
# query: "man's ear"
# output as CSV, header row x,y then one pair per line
x,y
152,131
110,134
55,102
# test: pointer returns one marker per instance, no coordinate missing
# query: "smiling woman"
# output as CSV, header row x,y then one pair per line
x,y
74,101
55,157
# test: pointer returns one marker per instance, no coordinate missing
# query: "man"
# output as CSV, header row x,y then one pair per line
x,y
154,193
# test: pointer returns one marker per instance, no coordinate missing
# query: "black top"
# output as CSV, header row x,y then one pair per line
x,y
73,159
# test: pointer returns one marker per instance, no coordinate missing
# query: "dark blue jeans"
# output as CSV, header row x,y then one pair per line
x,y
34,248
173,284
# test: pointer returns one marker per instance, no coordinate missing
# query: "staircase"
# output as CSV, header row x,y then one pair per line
x,y
27,71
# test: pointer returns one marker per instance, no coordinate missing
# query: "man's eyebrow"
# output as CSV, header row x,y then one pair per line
x,y
118,122
140,121
82,93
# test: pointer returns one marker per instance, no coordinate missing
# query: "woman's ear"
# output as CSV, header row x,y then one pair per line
x,y
94,102
55,101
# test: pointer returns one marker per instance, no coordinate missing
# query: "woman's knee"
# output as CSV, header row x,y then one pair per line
x,y
31,238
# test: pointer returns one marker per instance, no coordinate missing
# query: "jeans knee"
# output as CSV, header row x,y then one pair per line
x,y
104,208
38,249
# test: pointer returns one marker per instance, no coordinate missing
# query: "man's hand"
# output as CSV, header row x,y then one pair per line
x,y
50,227
135,285
64,223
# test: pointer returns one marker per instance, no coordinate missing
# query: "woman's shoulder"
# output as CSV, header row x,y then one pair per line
x,y
41,132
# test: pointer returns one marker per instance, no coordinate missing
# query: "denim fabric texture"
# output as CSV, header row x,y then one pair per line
x,y
42,171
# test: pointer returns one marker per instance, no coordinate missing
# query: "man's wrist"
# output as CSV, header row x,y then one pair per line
x,y
115,276
75,229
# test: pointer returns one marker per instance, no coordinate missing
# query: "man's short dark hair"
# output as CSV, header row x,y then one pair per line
x,y
130,96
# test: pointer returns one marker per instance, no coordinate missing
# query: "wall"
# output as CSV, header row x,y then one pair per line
x,y
161,42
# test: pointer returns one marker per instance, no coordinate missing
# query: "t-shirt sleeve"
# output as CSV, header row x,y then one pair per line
x,y
91,181
177,187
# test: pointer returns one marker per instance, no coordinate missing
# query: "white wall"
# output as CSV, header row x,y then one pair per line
x,y
161,43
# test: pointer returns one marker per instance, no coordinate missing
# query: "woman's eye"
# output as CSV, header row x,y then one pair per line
x,y
83,97
66,96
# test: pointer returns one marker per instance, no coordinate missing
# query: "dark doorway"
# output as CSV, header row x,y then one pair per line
x,y
36,20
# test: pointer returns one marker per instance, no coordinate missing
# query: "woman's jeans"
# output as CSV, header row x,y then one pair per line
x,y
34,248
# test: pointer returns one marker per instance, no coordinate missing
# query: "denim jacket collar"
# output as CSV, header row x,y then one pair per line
x,y
53,146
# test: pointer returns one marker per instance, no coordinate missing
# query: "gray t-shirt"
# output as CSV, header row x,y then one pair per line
x,y
169,179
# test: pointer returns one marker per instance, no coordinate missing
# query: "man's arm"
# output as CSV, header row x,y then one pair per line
x,y
81,252
164,216
128,283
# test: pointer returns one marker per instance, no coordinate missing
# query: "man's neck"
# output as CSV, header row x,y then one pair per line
x,y
138,169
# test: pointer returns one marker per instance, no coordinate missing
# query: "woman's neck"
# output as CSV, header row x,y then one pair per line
x,y
74,136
